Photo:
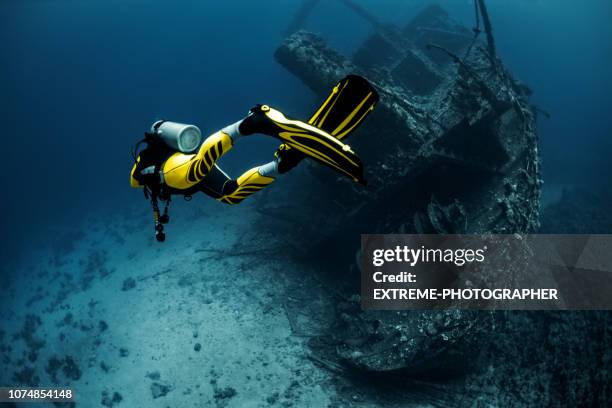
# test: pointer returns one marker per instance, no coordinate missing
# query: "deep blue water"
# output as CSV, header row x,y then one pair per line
x,y
81,80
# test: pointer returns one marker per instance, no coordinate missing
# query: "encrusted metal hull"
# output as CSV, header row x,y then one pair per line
x,y
451,148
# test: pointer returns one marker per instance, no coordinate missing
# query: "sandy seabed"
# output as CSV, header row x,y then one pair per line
x,y
125,321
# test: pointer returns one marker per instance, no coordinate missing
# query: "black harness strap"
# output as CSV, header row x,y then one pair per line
x,y
160,219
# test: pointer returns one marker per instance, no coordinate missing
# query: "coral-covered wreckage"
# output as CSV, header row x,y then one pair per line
x,y
451,148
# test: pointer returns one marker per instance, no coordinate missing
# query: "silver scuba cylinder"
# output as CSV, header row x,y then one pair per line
x,y
179,136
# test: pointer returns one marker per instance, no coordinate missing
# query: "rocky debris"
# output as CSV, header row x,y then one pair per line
x,y
197,347
128,284
102,326
292,391
110,401
123,352
26,376
92,267
28,333
159,390
105,367
68,367
85,326
67,320
272,399
224,393
66,287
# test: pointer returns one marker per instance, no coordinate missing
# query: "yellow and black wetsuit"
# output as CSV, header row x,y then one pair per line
x,y
350,101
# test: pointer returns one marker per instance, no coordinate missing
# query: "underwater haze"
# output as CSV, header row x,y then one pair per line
x,y
82,80
227,312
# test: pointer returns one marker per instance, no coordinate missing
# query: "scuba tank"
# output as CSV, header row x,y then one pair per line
x,y
179,136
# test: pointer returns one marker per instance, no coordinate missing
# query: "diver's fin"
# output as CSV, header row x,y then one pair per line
x,y
312,141
348,104
344,109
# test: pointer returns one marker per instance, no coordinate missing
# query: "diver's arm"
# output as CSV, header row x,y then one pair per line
x,y
145,170
133,182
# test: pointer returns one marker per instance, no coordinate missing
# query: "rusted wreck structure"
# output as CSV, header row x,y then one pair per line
x,y
451,148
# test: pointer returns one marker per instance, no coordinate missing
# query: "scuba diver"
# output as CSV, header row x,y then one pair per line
x,y
175,161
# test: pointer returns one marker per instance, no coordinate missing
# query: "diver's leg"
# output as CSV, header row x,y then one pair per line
x,y
215,182
250,182
183,171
